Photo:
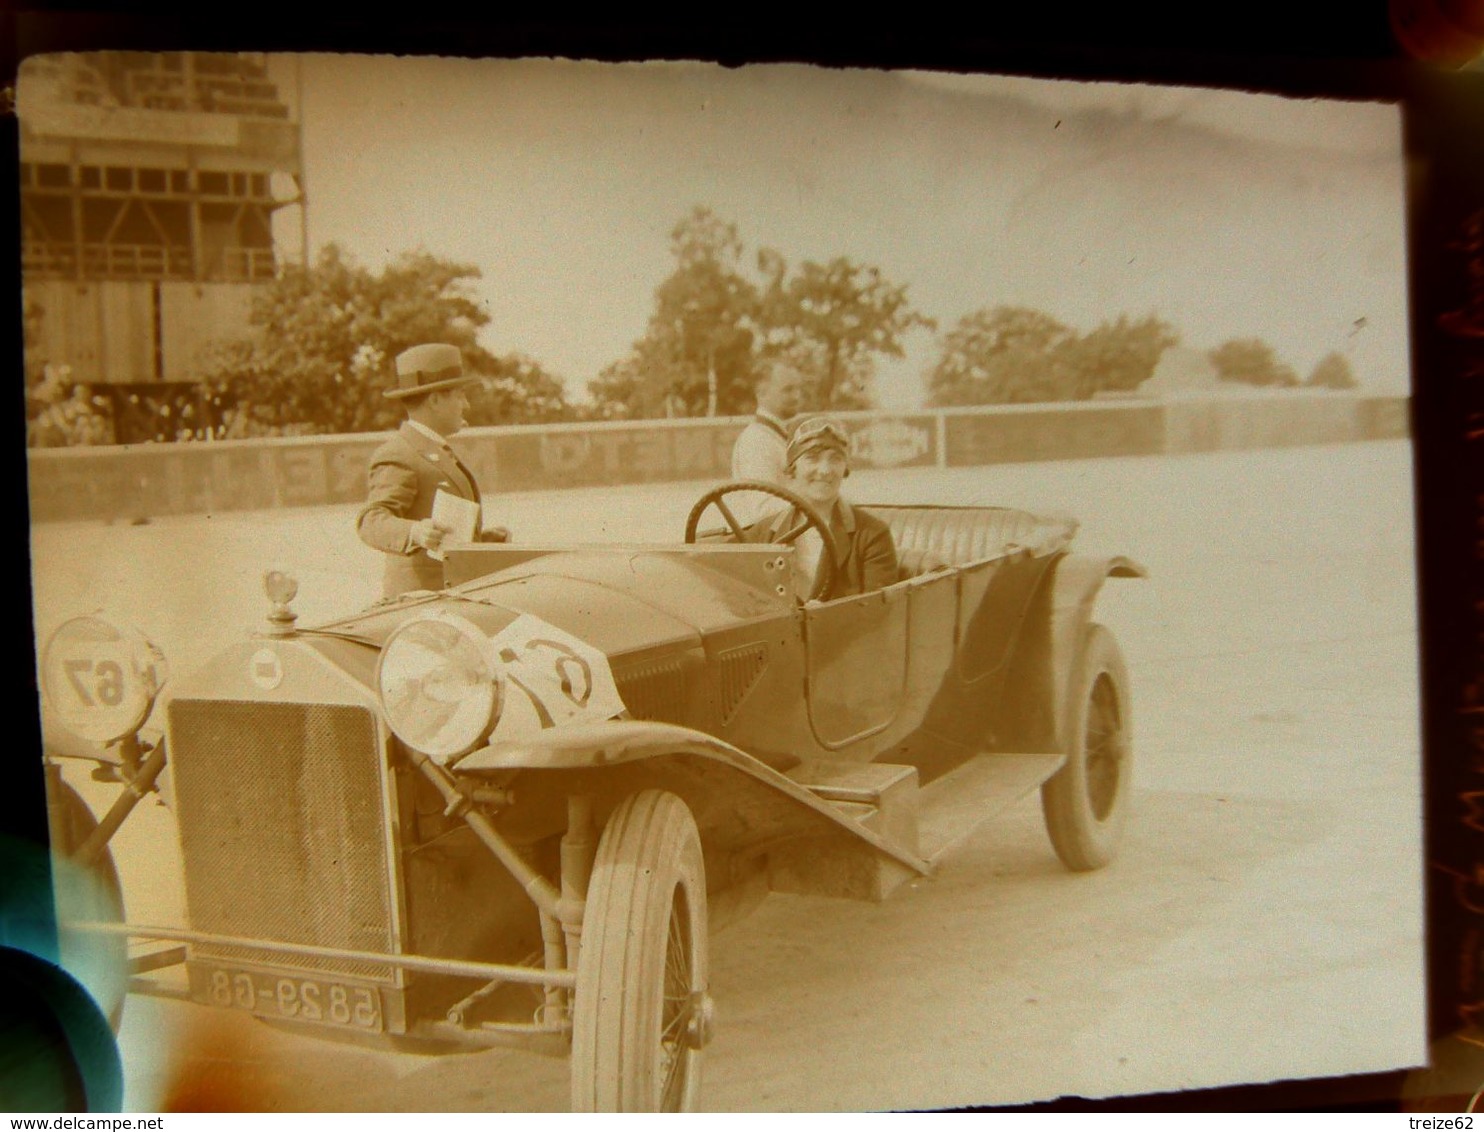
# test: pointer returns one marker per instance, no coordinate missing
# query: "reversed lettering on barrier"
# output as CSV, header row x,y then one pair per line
x,y
640,455
891,443
205,478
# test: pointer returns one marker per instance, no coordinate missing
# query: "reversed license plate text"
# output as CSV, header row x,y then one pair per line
x,y
307,1000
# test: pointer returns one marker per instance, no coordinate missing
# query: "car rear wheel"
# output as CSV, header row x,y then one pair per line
x,y
92,893
641,1012
1086,802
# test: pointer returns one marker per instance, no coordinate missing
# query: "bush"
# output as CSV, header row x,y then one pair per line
x,y
1251,361
1332,372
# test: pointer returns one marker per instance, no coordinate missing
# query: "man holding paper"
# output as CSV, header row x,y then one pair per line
x,y
421,494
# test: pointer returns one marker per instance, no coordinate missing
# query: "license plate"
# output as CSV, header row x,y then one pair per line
x,y
325,1001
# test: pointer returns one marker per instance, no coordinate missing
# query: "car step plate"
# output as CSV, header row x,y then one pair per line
x,y
954,805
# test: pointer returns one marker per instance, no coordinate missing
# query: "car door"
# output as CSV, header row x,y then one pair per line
x,y
876,664
856,670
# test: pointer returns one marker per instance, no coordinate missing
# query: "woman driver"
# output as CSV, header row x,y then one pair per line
x,y
815,466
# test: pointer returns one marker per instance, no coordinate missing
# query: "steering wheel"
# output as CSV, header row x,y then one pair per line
x,y
824,576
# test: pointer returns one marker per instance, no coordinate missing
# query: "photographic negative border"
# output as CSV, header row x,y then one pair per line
x,y
1344,57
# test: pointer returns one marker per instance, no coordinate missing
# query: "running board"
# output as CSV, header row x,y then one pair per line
x,y
930,820
952,806
880,797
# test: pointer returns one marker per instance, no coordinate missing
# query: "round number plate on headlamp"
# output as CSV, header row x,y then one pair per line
x,y
100,679
438,685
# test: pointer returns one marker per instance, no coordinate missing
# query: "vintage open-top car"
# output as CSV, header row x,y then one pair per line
x,y
512,810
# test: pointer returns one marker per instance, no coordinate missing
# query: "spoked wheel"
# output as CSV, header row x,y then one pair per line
x,y
641,1013
92,893
1086,802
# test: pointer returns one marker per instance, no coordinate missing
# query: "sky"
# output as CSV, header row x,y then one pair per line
x,y
1228,214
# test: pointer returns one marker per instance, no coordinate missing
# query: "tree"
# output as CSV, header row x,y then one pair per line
x,y
1332,372
327,336
1251,361
518,389
1117,357
1007,355
1003,355
713,326
696,355
832,320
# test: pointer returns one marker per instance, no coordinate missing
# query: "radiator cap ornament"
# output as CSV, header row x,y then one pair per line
x,y
281,586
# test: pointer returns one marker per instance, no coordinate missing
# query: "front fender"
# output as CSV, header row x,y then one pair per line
x,y
1037,688
607,743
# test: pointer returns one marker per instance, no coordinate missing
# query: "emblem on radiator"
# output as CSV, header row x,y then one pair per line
x,y
266,669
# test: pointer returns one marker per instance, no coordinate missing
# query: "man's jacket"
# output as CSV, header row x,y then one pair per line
x,y
405,474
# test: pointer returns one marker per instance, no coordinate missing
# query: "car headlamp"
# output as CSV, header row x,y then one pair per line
x,y
101,679
439,685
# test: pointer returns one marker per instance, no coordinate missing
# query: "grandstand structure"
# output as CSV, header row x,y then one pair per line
x,y
149,184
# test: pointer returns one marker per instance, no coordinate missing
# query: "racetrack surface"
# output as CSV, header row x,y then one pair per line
x,y
1263,921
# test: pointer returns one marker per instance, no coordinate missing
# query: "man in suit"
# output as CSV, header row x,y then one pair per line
x,y
761,450
408,471
816,464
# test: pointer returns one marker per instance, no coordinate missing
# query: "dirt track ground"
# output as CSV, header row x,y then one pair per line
x,y
1263,921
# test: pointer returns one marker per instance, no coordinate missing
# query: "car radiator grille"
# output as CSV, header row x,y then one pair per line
x,y
738,670
656,689
282,829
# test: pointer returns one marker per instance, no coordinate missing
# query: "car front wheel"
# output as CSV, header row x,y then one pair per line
x,y
90,893
1086,802
641,1012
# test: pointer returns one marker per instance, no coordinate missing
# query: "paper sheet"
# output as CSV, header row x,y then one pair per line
x,y
459,518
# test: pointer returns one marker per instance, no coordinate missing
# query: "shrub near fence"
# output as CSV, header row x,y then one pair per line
x,y
241,475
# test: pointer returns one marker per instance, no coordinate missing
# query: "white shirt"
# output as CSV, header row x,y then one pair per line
x,y
810,548
429,433
759,454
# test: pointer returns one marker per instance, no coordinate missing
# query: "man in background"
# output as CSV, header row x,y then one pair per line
x,y
761,451
410,469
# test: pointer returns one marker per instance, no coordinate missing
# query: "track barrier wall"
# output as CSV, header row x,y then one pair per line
x,y
134,481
